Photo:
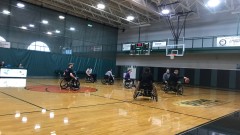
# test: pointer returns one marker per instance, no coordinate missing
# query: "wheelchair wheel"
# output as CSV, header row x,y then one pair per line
x,y
127,85
103,81
163,87
135,94
180,90
166,88
111,82
63,84
155,95
76,85
89,80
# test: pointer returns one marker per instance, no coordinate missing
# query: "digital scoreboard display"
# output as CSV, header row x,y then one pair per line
x,y
140,49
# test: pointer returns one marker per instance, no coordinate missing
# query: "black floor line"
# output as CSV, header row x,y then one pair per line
x,y
86,106
172,111
21,100
156,108
1,115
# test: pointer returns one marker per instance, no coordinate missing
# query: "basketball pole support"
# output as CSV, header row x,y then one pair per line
x,y
176,31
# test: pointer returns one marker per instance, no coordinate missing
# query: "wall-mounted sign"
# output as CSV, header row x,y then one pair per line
x,y
126,47
5,44
97,48
7,72
228,41
159,44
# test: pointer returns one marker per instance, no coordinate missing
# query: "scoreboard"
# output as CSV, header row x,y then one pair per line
x,y
140,49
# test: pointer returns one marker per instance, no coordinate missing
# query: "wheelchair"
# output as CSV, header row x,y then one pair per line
x,y
178,88
128,84
72,84
108,80
89,79
146,90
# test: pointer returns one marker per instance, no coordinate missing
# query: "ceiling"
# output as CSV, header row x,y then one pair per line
x,y
146,12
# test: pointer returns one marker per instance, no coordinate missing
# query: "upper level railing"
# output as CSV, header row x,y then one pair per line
x,y
190,42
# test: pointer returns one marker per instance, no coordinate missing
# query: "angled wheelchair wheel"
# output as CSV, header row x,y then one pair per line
x,y
180,90
111,82
166,88
163,87
155,95
63,84
89,80
127,85
103,81
135,94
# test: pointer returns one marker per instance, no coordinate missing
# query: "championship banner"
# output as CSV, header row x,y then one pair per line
x,y
5,44
159,44
228,41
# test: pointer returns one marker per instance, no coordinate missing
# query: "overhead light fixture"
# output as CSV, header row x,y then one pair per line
x,y
6,12
31,25
20,5
89,25
213,3
23,27
165,11
44,21
100,6
130,18
72,29
61,17
57,31
49,33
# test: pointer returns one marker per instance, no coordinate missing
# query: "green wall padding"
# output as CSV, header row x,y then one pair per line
x,y
45,64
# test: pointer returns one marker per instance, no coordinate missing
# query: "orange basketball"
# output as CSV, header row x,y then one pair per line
x,y
187,80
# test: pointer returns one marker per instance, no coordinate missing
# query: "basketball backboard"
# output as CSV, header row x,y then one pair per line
x,y
177,50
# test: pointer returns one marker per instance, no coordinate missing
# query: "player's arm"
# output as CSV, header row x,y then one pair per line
x,y
87,73
71,74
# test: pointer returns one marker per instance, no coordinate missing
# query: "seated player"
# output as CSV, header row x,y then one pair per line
x,y
90,74
68,73
128,78
174,79
109,75
145,79
166,76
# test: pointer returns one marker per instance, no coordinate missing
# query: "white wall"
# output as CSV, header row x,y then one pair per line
x,y
199,61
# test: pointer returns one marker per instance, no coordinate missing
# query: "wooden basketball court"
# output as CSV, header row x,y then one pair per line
x,y
110,110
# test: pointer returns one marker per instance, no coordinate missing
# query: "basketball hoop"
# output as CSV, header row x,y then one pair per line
x,y
172,56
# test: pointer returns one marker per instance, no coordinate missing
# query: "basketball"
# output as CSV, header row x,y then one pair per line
x,y
187,80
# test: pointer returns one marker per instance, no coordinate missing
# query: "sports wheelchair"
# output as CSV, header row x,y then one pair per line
x,y
89,79
108,80
170,86
146,90
72,84
128,84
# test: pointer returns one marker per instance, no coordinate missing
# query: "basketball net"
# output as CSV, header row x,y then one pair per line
x,y
172,56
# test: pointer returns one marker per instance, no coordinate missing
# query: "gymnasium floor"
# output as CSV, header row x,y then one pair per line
x,y
110,110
